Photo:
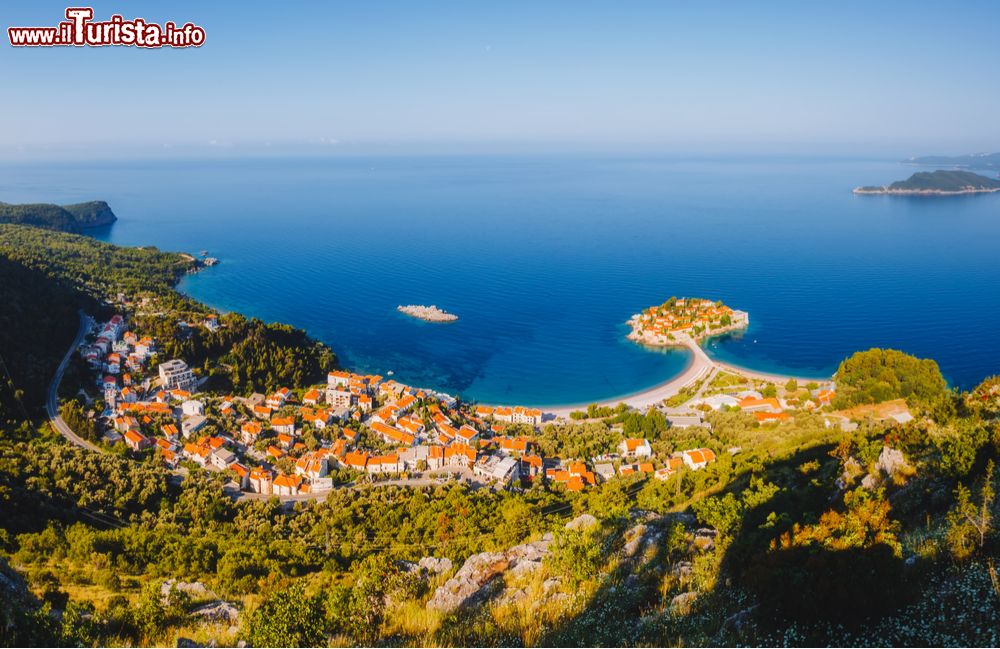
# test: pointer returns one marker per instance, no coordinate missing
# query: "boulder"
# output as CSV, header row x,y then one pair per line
x,y
218,612
582,522
435,565
194,589
891,461
681,604
479,577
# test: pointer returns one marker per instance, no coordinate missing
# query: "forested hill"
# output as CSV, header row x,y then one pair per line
x,y
46,276
65,218
937,182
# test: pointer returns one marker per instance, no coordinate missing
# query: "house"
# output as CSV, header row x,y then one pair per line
x,y
698,458
169,456
635,448
198,453
284,425
261,412
128,395
412,457
467,435
392,435
287,485
193,408
769,417
532,416
221,458
311,397
673,465
261,481
249,432
504,414
435,458
459,455
339,397
337,379
411,425
170,431
754,404
510,445
484,411
242,475
605,470
496,468
385,464
685,421
531,465
312,465
191,425
136,440
355,460
175,374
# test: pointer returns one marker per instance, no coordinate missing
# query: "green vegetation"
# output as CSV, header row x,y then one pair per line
x,y
940,181
815,536
68,218
879,375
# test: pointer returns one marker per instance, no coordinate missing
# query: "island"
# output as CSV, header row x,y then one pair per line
x,y
65,218
970,161
429,313
936,183
679,321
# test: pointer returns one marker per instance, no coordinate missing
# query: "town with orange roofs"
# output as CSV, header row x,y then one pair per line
x,y
368,429
680,319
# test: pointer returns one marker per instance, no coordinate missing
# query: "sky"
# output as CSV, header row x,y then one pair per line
x,y
909,78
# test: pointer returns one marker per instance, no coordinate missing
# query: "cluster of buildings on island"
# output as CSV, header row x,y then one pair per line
x,y
290,442
685,318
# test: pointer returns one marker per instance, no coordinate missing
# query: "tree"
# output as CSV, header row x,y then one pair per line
x,y
792,385
969,524
288,618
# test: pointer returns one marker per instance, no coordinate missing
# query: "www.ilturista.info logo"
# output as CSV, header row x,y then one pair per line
x,y
79,30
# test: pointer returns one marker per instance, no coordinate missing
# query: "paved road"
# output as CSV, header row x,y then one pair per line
x,y
52,402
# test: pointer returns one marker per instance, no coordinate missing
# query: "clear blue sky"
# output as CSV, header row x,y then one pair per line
x,y
908,77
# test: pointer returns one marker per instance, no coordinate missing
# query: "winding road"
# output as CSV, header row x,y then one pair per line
x,y
52,400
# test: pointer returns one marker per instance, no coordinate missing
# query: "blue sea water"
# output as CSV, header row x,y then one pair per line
x,y
545,257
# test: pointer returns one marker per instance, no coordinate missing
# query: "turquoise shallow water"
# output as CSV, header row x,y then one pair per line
x,y
544,258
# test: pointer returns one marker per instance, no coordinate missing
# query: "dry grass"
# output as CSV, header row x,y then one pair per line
x,y
882,410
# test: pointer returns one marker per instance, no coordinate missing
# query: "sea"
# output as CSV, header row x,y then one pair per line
x,y
544,258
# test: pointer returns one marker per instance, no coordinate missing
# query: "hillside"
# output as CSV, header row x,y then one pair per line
x,y
66,218
801,533
938,182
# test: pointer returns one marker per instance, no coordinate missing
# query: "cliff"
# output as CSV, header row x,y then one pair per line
x,y
67,218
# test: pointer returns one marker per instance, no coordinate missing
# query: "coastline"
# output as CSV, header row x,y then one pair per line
x,y
885,191
699,367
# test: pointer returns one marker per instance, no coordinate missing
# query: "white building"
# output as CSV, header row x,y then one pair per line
x,y
193,408
175,375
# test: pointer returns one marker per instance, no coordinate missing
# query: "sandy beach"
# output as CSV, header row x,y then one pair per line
x,y
700,366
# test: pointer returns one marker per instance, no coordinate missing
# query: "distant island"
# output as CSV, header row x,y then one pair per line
x,y
65,218
680,320
936,183
429,313
971,161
